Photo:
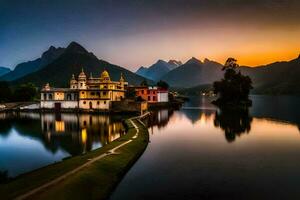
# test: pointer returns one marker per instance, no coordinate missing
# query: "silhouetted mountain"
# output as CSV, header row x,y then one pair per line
x,y
193,73
71,61
142,71
25,68
158,70
275,78
4,70
174,64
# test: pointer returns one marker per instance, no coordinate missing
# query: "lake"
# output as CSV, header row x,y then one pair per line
x,y
201,152
32,140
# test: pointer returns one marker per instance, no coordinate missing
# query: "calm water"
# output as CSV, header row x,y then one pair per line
x,y
200,152
32,140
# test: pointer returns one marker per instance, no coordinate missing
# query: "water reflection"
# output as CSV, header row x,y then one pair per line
x,y
45,138
159,118
233,122
198,154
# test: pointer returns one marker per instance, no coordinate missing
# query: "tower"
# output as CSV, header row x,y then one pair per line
x,y
122,81
82,80
73,82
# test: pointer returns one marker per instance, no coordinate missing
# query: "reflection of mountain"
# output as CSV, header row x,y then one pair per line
x,y
73,133
196,107
283,108
159,118
195,115
233,122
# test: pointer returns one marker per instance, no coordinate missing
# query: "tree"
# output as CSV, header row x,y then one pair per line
x,y
25,92
162,84
5,92
234,122
234,88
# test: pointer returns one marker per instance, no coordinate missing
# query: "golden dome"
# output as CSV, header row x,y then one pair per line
x,y
105,75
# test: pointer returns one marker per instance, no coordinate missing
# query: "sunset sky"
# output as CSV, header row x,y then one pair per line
x,y
139,32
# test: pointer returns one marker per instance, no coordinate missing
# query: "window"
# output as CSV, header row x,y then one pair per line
x,y
92,93
154,98
45,96
50,96
81,84
104,102
142,91
149,98
84,102
82,92
98,102
68,96
98,93
104,93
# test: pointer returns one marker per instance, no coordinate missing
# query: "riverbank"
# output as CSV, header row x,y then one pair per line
x,y
90,176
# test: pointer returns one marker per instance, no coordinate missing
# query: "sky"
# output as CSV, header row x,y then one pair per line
x,y
134,33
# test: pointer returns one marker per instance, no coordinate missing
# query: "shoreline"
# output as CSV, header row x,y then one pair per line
x,y
103,167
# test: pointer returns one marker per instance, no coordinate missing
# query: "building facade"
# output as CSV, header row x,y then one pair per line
x,y
152,94
84,93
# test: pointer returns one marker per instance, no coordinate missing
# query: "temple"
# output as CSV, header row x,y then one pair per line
x,y
85,93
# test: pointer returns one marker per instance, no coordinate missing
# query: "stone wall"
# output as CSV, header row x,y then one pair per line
x,y
129,106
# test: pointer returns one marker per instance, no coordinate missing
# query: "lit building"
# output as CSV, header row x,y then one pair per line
x,y
152,94
84,93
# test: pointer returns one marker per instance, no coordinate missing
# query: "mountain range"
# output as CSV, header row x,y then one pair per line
x,y
156,71
57,65
194,72
4,70
274,78
25,68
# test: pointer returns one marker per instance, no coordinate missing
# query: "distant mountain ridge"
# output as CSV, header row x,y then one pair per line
x,y
4,70
194,72
71,61
25,68
275,78
158,69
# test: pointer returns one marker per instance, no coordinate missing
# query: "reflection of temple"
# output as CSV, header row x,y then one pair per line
x,y
233,122
80,133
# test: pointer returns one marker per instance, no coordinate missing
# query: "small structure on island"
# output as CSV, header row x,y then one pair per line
x,y
85,93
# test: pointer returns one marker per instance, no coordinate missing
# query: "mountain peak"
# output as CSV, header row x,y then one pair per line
x,y
193,60
75,47
175,62
206,60
160,61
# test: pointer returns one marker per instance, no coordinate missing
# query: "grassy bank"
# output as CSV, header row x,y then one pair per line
x,y
95,181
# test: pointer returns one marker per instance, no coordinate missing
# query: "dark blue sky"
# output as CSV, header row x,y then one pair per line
x,y
138,32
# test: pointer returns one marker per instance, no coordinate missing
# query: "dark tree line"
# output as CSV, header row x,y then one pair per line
x,y
23,92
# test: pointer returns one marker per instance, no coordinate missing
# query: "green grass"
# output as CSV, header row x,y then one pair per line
x,y
96,181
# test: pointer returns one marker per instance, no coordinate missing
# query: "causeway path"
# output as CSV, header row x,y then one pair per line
x,y
112,151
